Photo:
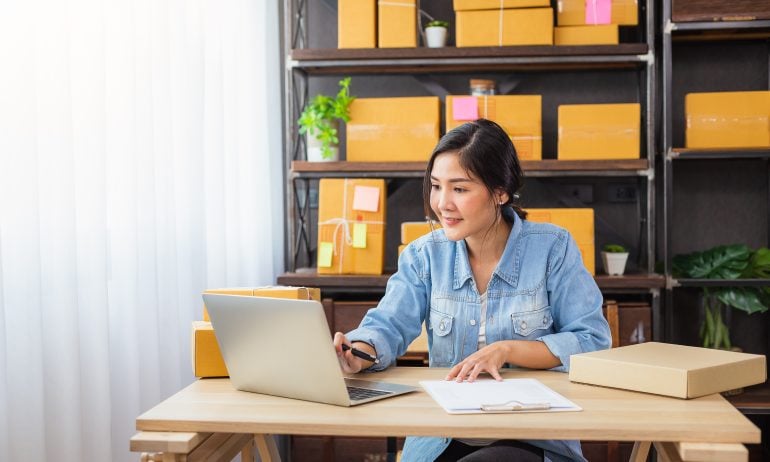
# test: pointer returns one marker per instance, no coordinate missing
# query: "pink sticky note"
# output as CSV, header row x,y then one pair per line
x,y
465,108
598,11
366,198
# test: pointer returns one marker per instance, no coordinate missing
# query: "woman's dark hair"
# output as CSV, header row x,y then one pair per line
x,y
486,152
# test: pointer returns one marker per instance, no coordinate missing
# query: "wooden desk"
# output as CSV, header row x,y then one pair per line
x,y
213,406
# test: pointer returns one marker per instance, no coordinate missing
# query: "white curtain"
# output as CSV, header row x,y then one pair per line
x,y
140,163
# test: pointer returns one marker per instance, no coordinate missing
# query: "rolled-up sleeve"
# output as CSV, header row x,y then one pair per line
x,y
397,320
576,304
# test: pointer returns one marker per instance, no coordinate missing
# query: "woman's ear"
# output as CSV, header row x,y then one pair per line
x,y
501,197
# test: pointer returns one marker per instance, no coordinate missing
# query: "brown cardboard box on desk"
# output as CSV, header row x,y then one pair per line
x,y
392,129
735,119
599,131
573,12
667,369
524,26
356,24
579,223
351,226
519,115
397,23
586,35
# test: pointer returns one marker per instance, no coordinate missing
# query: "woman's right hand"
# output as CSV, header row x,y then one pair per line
x,y
348,363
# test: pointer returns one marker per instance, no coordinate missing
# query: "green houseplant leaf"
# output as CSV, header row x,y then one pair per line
x,y
318,117
746,299
721,262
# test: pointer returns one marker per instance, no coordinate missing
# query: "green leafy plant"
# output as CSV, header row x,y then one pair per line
x,y
736,261
614,248
437,23
317,119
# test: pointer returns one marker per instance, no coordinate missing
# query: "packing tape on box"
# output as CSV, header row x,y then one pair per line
x,y
386,3
722,121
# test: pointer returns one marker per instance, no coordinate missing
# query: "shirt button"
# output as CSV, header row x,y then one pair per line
x,y
441,326
545,320
523,324
473,322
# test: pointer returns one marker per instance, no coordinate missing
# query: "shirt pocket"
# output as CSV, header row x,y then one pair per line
x,y
532,324
442,349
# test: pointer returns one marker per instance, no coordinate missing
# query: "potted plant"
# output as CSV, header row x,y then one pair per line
x,y
726,262
614,257
436,33
320,121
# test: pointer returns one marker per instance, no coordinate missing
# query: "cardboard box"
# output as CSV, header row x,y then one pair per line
x,y
599,131
411,230
206,358
297,293
351,226
519,115
667,369
356,24
579,223
528,26
573,12
392,129
397,23
465,5
727,119
586,35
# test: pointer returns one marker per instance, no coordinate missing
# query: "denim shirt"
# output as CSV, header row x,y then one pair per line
x,y
539,290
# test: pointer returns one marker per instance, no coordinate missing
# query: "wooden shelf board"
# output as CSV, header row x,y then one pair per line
x,y
753,400
721,153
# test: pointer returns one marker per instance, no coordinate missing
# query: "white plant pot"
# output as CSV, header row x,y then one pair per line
x,y
435,37
614,262
315,149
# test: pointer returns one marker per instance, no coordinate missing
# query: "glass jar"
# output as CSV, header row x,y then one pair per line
x,y
480,87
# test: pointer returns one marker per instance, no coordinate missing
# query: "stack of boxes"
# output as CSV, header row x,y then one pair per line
x,y
503,22
593,22
373,23
206,358
737,119
579,223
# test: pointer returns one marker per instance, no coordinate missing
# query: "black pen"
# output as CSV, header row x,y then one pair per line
x,y
361,354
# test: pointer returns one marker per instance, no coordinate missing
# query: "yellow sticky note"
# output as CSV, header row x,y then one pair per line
x,y
359,235
366,198
325,251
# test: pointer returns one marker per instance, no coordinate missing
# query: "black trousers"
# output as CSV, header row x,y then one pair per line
x,y
502,450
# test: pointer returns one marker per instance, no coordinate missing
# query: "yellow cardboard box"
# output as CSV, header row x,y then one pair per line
x,y
579,223
392,129
298,293
351,226
573,12
397,23
411,230
727,119
527,26
667,369
586,35
519,115
599,131
356,24
464,5
206,358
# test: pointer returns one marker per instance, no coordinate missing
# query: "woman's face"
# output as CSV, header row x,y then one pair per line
x,y
461,202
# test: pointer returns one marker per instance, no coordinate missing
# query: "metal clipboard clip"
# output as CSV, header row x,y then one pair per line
x,y
512,406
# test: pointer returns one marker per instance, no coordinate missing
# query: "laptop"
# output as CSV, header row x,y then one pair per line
x,y
283,347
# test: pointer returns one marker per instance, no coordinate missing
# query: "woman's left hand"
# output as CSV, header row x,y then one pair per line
x,y
488,359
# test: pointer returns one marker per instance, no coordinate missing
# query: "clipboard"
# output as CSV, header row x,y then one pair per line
x,y
488,396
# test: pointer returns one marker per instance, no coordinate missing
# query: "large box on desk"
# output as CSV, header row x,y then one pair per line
x,y
519,115
586,35
667,369
573,12
392,129
599,131
579,223
527,26
351,226
727,119
298,293
356,24
464,5
206,358
397,23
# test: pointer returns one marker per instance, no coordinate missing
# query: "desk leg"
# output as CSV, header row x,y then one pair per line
x,y
641,451
667,452
268,451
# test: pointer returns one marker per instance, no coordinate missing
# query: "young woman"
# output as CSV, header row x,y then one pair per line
x,y
492,288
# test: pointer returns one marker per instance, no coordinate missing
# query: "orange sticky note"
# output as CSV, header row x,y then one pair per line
x,y
359,235
465,108
325,251
366,198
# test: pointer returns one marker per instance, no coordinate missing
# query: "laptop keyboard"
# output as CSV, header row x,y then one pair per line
x,y
357,393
